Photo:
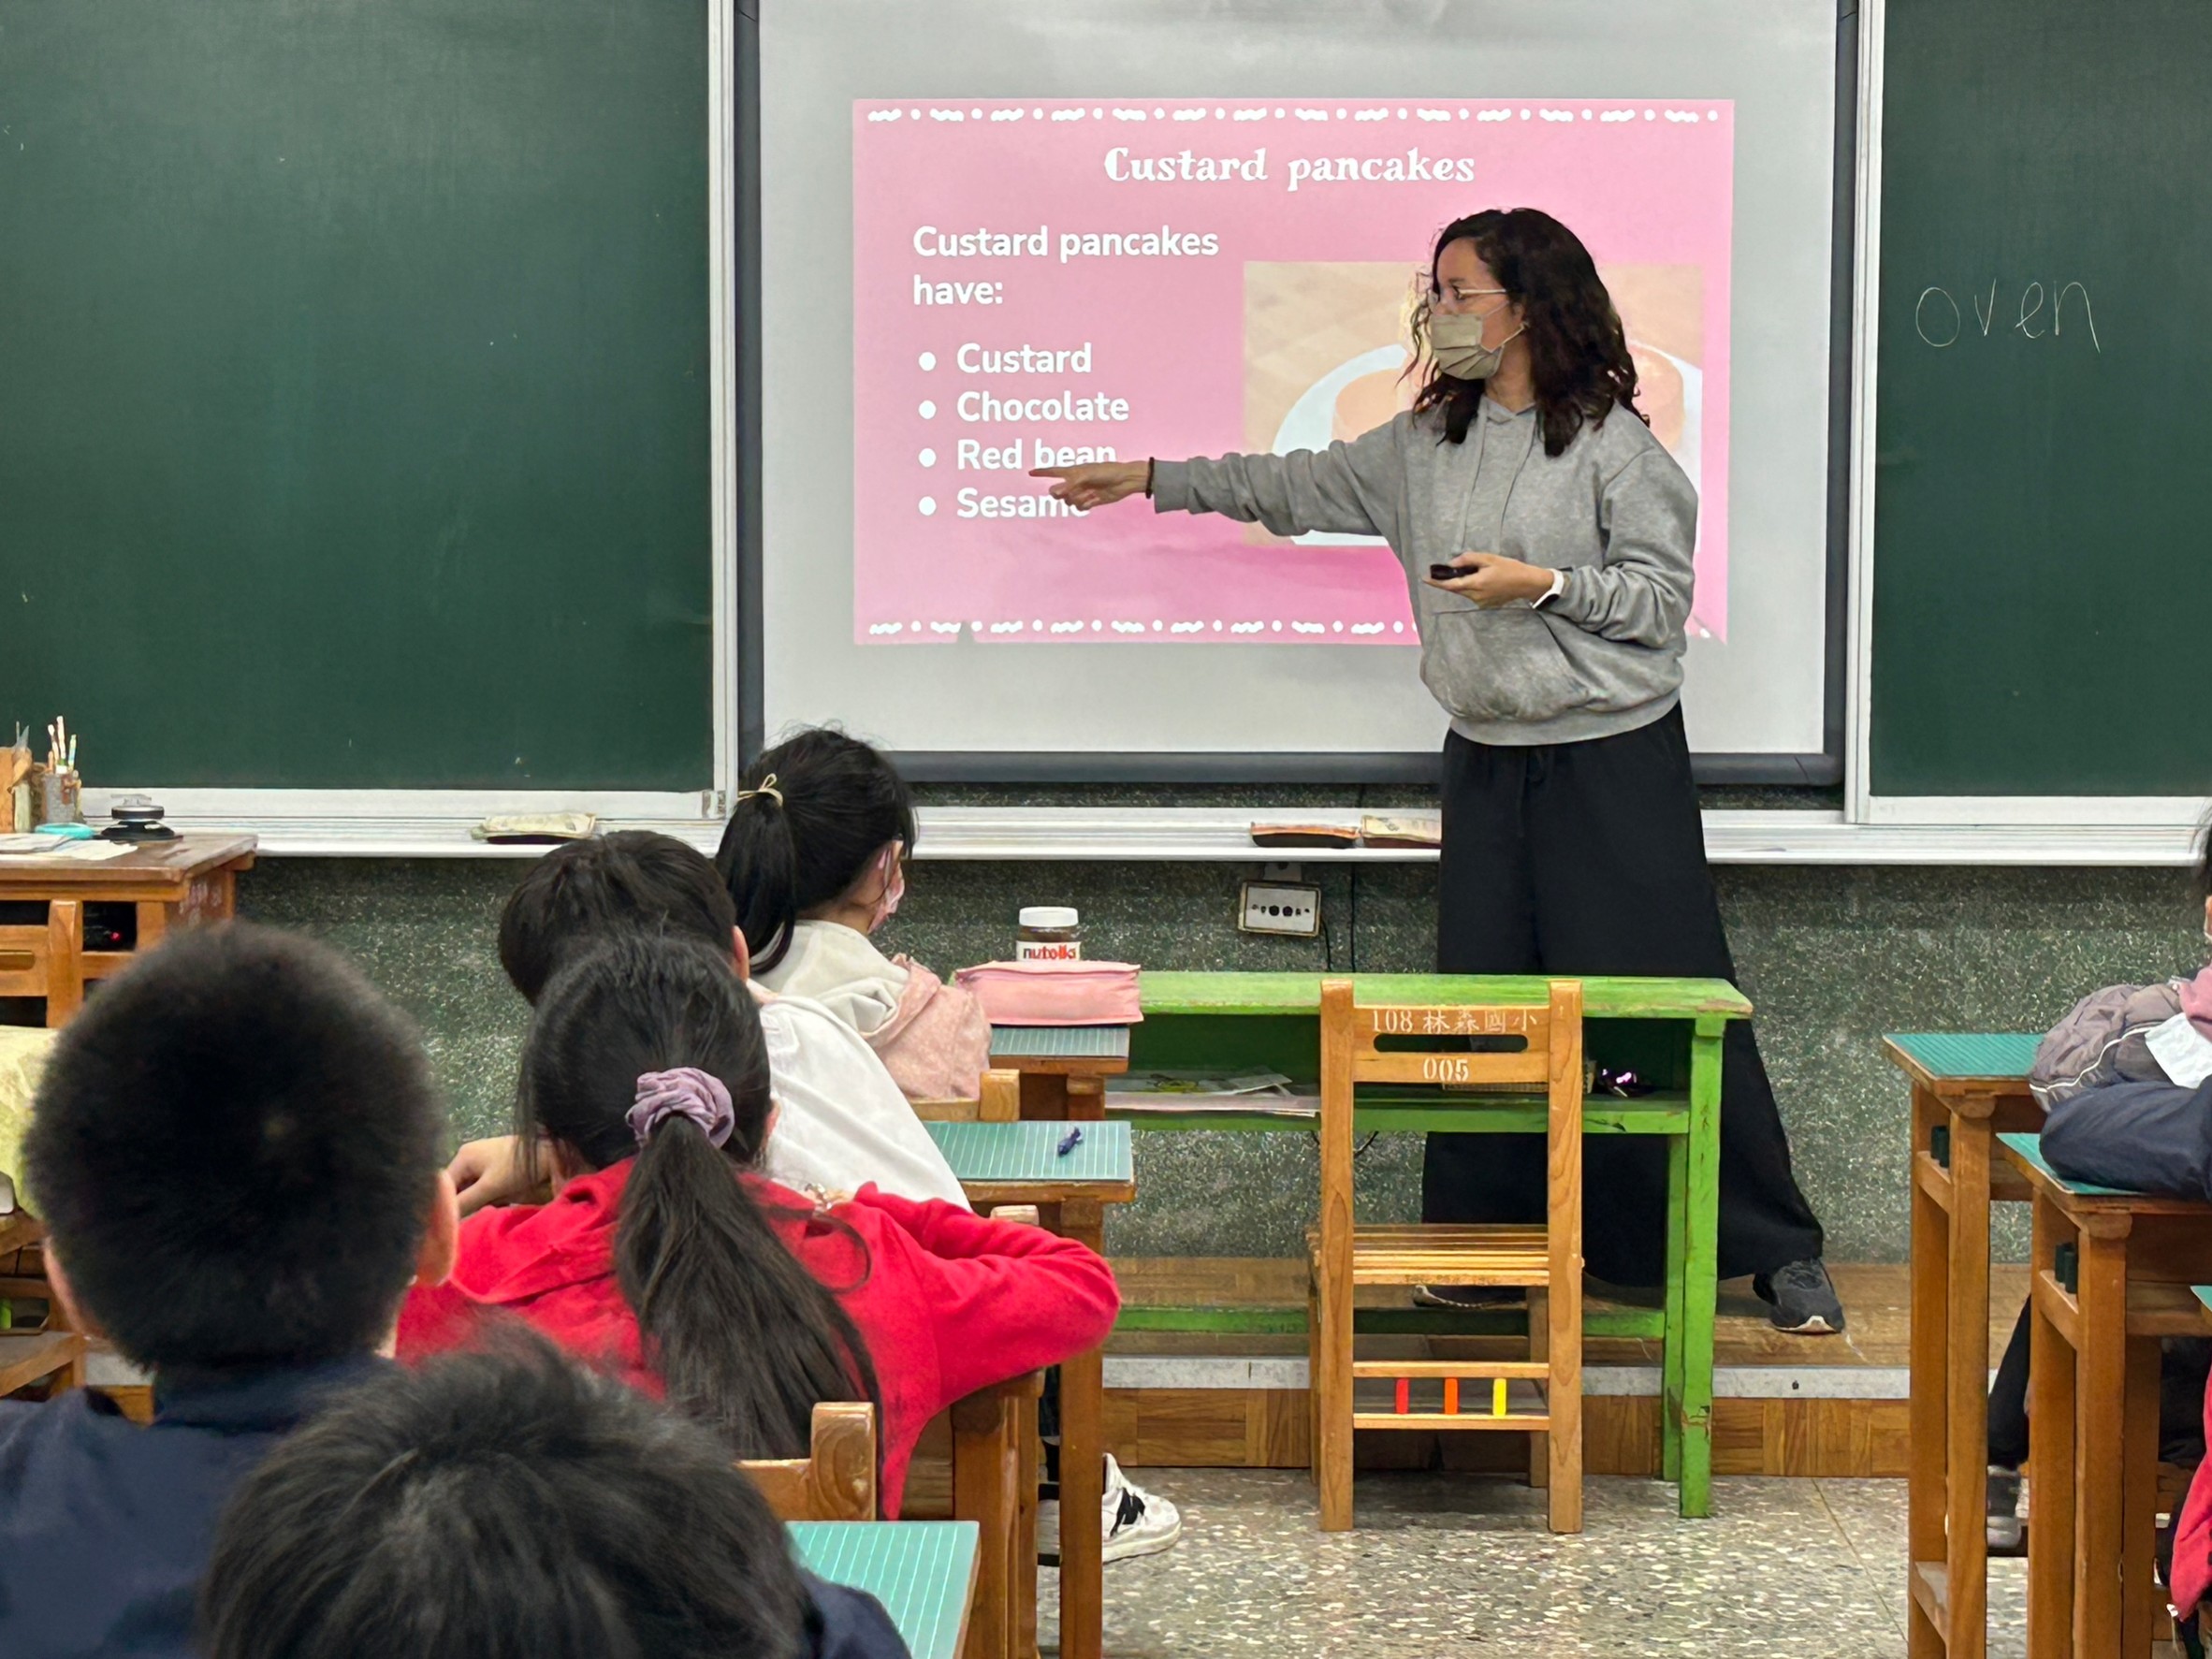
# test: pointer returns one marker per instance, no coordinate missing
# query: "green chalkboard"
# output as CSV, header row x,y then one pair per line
x,y
354,390
2042,528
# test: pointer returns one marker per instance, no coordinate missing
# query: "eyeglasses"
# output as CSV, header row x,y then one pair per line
x,y
1447,296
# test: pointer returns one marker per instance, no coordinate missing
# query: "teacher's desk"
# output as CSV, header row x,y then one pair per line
x,y
130,901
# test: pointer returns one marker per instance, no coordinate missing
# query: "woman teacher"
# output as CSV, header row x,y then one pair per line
x,y
1572,842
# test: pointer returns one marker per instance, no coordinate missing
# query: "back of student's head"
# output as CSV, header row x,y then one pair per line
x,y
632,878
814,815
504,1506
235,1149
650,1048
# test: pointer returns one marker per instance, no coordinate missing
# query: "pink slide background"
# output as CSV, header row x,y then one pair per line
x,y
1646,184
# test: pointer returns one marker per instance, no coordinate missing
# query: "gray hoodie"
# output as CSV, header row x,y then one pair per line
x,y
1612,511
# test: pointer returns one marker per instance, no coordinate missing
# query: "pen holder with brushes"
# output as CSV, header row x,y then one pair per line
x,y
60,797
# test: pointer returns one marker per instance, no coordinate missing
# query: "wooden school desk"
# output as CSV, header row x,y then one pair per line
x,y
2109,1277
922,1571
1063,1068
1966,1089
161,885
1020,1163
1228,1022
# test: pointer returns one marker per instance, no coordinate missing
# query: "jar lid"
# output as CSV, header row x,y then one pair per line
x,y
1049,916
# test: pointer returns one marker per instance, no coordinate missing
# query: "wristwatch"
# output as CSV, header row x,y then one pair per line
x,y
1552,592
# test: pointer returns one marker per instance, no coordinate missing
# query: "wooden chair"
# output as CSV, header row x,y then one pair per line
x,y
47,960
51,1354
999,1099
1399,1044
836,1481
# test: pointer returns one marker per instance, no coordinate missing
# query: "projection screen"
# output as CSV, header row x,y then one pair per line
x,y
999,234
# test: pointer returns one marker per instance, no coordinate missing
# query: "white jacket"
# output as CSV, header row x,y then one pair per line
x,y
841,1122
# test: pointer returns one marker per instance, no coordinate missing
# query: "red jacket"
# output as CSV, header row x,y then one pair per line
x,y
2191,1578
948,1303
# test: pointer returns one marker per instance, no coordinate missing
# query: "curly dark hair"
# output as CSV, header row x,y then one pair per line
x,y
1577,350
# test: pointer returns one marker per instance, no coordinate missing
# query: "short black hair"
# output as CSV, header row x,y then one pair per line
x,y
508,1506
235,1148
630,879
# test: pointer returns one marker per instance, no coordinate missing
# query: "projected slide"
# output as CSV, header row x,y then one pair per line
x,y
1044,282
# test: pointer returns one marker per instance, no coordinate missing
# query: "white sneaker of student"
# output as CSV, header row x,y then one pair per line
x,y
1134,1522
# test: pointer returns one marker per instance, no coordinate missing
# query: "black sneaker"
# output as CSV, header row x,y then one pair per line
x,y
1804,1302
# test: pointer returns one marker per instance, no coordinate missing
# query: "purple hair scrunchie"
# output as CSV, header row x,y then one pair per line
x,y
685,1092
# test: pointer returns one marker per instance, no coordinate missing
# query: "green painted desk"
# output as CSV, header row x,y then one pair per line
x,y
1246,1022
2109,1279
922,1571
1966,1087
1020,1163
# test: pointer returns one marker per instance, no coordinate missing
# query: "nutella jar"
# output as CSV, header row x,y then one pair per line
x,y
1048,933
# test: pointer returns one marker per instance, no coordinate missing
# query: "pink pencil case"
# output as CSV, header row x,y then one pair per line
x,y
1054,993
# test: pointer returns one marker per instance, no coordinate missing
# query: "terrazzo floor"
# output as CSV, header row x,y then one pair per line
x,y
1450,1565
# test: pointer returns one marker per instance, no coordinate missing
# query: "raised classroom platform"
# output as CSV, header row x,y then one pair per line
x,y
1798,1406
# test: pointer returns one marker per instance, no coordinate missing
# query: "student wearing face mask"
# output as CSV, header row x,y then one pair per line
x,y
814,856
1553,641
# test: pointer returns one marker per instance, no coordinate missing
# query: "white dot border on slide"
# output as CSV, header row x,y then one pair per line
x,y
1103,631
1608,112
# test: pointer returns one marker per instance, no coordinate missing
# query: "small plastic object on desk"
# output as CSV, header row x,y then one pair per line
x,y
1069,1142
67,831
137,818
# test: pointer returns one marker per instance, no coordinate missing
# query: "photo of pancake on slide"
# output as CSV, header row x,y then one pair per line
x,y
1328,343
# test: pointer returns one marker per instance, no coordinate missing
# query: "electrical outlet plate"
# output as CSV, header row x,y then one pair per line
x,y
1292,908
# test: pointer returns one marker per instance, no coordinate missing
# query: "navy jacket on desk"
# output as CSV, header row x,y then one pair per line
x,y
849,1624
104,1526
2141,1137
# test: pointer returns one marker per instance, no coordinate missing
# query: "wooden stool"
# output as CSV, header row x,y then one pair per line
x,y
2109,1276
1966,1089
1435,1045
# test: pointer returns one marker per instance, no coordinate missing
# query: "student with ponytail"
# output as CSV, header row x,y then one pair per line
x,y
664,1256
814,855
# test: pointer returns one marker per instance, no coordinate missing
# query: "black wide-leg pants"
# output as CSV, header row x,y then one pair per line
x,y
1589,859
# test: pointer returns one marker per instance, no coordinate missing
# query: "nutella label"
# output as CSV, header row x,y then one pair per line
x,y
1048,949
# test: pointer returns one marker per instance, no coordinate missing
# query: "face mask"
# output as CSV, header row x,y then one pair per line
x,y
1455,340
892,870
